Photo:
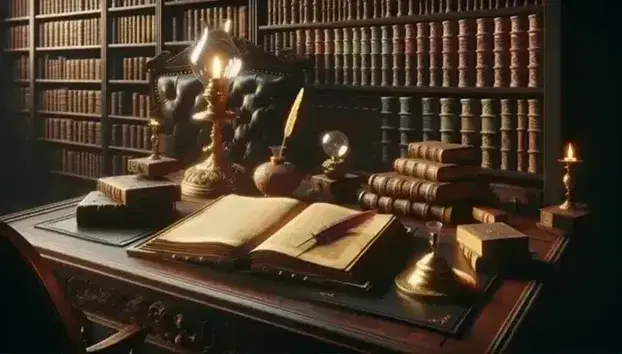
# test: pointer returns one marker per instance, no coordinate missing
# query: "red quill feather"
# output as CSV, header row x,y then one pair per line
x,y
340,228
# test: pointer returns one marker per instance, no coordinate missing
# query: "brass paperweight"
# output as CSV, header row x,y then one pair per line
x,y
431,276
216,175
565,215
156,165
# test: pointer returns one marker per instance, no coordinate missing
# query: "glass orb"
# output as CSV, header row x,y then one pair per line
x,y
335,144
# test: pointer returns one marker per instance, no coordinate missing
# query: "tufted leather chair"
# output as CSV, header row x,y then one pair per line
x,y
261,95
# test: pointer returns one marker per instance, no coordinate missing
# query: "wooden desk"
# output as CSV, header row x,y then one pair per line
x,y
188,311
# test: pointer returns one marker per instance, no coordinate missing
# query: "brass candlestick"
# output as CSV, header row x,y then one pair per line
x,y
215,176
156,165
569,161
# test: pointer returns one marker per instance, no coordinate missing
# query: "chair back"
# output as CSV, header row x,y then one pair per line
x,y
37,317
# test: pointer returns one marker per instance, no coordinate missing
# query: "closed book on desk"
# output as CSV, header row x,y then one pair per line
x,y
276,235
134,190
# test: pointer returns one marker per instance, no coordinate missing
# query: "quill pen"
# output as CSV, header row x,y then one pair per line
x,y
340,228
290,123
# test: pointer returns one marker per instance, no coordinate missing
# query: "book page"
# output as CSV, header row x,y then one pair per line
x,y
338,254
233,220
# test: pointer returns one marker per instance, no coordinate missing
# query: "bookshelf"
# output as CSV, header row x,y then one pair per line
x,y
481,72
79,74
474,55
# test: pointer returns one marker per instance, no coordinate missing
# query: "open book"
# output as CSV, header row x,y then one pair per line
x,y
270,233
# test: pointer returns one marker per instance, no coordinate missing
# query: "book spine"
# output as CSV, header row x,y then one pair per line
x,y
398,55
366,56
430,123
521,135
449,121
356,56
376,56
417,168
448,53
506,135
409,129
116,194
338,57
488,132
500,52
468,126
423,56
516,52
410,54
534,50
483,53
487,215
474,259
533,130
464,53
347,56
329,59
319,57
435,64
389,129
402,188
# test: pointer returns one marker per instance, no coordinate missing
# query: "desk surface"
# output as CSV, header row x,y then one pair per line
x,y
491,330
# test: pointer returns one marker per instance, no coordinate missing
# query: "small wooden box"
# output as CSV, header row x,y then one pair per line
x,y
152,168
341,190
553,216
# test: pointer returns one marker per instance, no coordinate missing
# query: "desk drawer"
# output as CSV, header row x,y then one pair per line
x,y
181,324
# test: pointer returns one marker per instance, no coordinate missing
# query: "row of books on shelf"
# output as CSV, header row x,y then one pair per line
x,y
133,29
22,98
21,68
189,25
131,136
506,131
70,130
134,68
127,3
62,68
317,11
66,100
130,103
19,37
60,6
70,33
19,8
82,163
497,52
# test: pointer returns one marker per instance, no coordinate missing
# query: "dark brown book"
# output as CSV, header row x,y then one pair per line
x,y
96,210
392,184
455,214
443,152
132,190
434,171
489,215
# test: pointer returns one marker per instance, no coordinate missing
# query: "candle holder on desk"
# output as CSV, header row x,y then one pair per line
x,y
216,175
156,165
565,215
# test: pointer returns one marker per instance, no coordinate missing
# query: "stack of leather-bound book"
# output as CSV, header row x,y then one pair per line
x,y
436,181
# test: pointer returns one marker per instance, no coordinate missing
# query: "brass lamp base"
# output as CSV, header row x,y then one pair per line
x,y
205,180
432,277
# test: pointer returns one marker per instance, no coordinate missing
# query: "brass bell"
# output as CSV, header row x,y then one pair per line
x,y
431,276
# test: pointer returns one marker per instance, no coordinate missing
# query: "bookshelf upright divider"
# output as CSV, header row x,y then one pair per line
x,y
105,133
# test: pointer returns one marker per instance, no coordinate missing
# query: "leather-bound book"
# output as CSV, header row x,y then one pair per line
x,y
443,152
277,235
96,210
434,171
488,215
391,184
133,190
492,240
453,215
389,129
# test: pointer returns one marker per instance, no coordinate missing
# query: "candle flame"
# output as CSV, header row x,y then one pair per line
x,y
227,26
570,152
216,68
154,123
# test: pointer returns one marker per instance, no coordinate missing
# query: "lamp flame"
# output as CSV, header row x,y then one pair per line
x,y
216,68
227,26
570,153
154,123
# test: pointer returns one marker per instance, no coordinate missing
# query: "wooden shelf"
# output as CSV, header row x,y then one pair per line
x,y
131,45
16,19
17,50
49,81
70,114
73,175
129,82
405,19
493,91
135,119
132,8
130,150
512,175
71,143
179,43
22,81
68,14
188,2
78,48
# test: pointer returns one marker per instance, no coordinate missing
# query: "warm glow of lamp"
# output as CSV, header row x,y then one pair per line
x,y
216,68
153,123
570,154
